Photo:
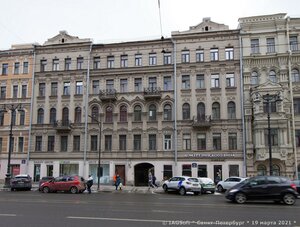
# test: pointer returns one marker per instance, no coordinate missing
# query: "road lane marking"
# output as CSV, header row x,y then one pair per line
x,y
8,215
116,219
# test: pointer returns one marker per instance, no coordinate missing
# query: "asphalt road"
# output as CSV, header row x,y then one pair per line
x,y
34,209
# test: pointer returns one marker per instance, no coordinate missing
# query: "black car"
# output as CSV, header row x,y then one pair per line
x,y
22,181
275,188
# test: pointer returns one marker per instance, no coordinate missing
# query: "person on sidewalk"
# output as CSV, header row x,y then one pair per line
x,y
90,183
150,179
154,181
118,181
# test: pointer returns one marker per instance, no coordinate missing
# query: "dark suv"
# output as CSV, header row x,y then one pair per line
x,y
264,188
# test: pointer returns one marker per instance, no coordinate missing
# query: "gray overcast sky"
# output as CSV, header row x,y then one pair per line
x,y
105,21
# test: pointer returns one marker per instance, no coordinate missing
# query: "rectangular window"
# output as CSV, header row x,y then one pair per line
x,y
68,62
94,143
152,59
15,91
297,135
138,84
43,65
214,54
232,141
185,56
96,87
124,61
137,142
64,143
17,68
108,142
234,170
229,53
152,82
122,142
167,142
79,87
215,81
1,143
3,92
110,62
230,80
138,60
109,85
167,58
202,170
42,89
54,89
76,143
55,64
51,143
294,43
21,144
96,62
186,83
24,91
4,69
167,83
186,141
123,85
269,107
25,67
80,63
270,45
187,170
38,143
168,173
254,46
200,81
201,141
152,142
199,55
216,141
273,136
66,88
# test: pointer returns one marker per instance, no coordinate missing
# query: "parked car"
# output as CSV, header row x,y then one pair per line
x,y
229,183
297,183
73,184
22,181
182,184
45,179
264,188
207,185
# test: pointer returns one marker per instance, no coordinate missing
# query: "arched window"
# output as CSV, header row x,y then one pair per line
x,y
231,110
201,111
95,114
216,111
272,76
152,112
276,170
52,115
186,111
108,114
77,115
123,113
22,117
254,78
261,170
137,113
167,112
40,116
295,75
65,116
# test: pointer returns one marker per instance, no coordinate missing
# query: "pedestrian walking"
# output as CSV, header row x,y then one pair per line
x,y
90,183
118,181
150,179
154,181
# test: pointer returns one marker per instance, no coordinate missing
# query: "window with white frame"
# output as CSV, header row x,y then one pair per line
x,y
167,112
138,84
254,46
43,65
122,142
231,110
270,45
254,78
25,67
152,142
230,80
229,53
96,62
186,83
109,85
152,82
217,141
138,60
123,85
214,54
167,83
185,56
294,43
24,91
79,88
167,142
63,143
152,59
201,141
108,143
55,64
66,90
110,62
199,55
54,88
42,89
232,141
17,68
273,135
124,61
137,142
215,81
186,111
94,142
15,91
200,83
295,75
68,62
216,114
167,58
80,63
272,76
186,141
96,86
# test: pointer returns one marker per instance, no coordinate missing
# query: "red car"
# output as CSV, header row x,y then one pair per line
x,y
73,184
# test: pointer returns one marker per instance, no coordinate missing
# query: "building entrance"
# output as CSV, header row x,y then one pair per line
x,y
141,174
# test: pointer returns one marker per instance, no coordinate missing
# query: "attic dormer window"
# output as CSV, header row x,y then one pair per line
x,y
206,28
62,40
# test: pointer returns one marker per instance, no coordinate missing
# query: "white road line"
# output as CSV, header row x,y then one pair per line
x,y
8,215
116,219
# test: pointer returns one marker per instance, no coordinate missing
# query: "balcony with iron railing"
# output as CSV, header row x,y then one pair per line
x,y
108,95
202,121
152,93
63,126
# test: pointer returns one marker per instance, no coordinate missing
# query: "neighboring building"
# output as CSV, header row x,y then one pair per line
x,y
270,63
16,65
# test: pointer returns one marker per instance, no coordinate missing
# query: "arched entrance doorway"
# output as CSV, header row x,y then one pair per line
x,y
141,174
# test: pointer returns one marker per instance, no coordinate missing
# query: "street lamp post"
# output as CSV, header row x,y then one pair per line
x,y
12,108
99,152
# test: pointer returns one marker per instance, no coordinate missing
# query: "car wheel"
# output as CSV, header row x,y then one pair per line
x,y
46,189
165,187
289,199
182,191
73,190
220,188
240,198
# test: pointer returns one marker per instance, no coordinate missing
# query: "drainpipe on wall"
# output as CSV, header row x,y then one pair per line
x,y
291,96
175,107
31,110
86,102
242,108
